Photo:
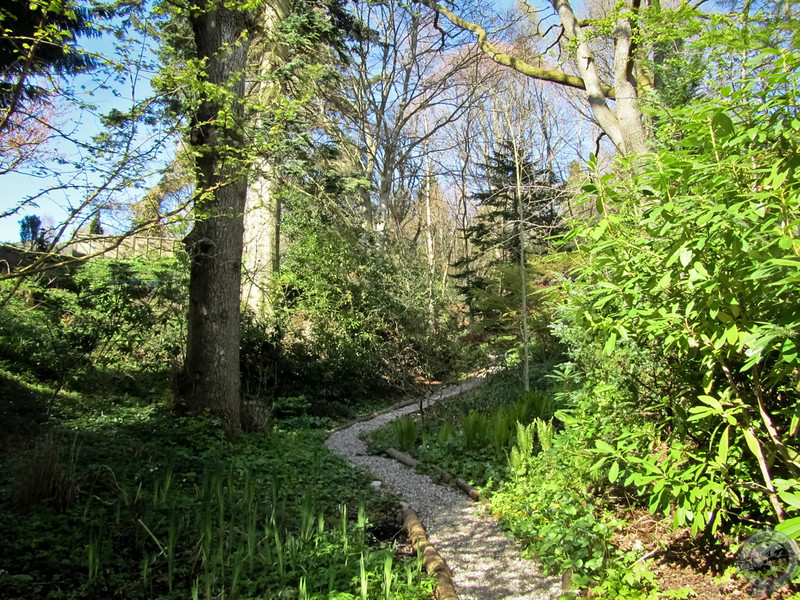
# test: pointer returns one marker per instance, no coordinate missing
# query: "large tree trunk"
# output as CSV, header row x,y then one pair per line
x,y
262,219
262,243
210,379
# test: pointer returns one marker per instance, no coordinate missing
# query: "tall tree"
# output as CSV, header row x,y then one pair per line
x,y
210,377
30,228
627,80
296,58
234,126
404,87
263,208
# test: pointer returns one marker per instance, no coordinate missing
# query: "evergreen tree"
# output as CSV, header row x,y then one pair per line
x,y
95,227
495,233
39,38
30,230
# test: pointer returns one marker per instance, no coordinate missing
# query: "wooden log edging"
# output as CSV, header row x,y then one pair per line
x,y
432,561
446,477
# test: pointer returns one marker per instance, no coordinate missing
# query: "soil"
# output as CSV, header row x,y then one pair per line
x,y
681,562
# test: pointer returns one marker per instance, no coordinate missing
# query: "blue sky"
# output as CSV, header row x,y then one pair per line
x,y
104,91
84,124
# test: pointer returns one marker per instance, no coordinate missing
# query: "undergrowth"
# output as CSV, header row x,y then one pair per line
x,y
125,500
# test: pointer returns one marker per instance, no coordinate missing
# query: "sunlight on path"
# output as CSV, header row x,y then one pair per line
x,y
486,564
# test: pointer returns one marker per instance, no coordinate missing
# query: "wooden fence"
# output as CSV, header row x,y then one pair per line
x,y
135,245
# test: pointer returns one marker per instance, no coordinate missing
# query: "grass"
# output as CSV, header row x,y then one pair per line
x,y
470,435
116,499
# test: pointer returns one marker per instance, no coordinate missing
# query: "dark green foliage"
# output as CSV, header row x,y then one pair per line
x,y
55,28
132,502
259,357
354,318
498,223
95,227
30,231
490,278
48,482
495,234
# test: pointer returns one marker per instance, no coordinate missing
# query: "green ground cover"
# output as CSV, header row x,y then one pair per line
x,y
117,498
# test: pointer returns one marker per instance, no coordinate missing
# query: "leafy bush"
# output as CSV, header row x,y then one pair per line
x,y
694,266
108,323
549,506
355,319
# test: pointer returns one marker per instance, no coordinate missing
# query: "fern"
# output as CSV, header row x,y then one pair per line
x,y
406,430
474,427
544,429
521,453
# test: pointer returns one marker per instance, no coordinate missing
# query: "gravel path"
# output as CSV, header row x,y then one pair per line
x,y
486,564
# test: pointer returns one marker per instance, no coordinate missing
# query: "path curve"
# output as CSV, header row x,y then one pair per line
x,y
486,564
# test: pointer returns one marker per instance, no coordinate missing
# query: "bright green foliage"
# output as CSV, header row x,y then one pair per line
x,y
548,505
475,445
111,321
696,258
521,453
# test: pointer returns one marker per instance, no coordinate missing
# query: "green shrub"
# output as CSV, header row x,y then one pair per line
x,y
549,506
693,267
111,323
354,321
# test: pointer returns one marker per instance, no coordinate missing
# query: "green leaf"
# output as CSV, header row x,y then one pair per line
x,y
699,413
722,124
732,334
664,281
608,349
613,472
686,256
792,500
604,446
722,450
712,402
777,177
752,443
790,528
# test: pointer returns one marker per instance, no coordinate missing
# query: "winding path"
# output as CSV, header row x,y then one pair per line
x,y
486,564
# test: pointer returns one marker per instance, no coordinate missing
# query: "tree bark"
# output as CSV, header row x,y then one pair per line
x,y
210,378
263,207
262,243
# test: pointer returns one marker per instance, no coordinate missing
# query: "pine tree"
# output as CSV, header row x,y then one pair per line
x,y
37,39
494,236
